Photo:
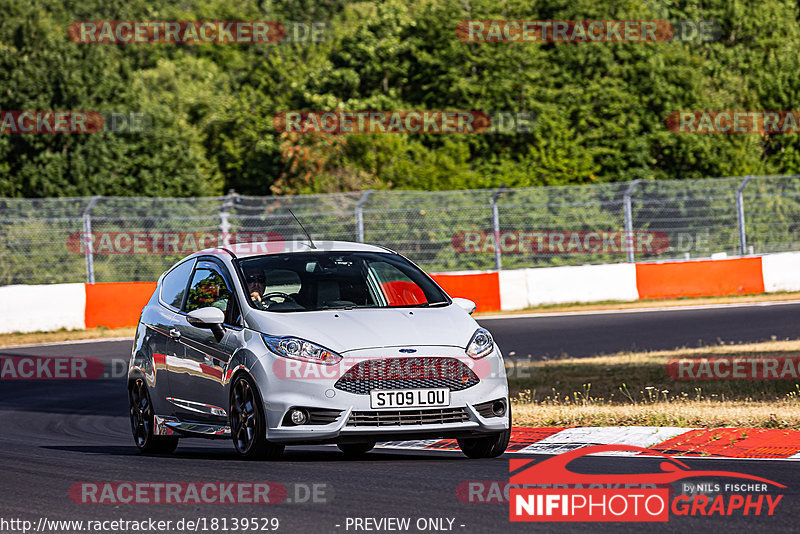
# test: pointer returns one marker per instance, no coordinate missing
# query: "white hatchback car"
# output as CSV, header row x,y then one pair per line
x,y
275,344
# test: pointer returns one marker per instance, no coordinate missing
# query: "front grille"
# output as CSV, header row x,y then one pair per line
x,y
407,373
408,417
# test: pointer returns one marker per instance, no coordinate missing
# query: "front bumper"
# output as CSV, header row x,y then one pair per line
x,y
281,393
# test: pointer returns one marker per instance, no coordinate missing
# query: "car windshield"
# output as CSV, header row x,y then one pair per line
x,y
310,281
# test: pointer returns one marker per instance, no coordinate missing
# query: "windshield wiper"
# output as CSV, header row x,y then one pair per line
x,y
373,307
423,305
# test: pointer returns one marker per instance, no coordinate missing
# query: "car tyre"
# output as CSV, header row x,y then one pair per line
x,y
354,450
143,422
249,424
489,446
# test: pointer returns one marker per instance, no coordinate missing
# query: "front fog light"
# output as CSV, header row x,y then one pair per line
x,y
499,407
298,417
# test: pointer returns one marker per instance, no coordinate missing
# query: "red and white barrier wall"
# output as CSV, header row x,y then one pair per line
x,y
781,272
31,308
523,288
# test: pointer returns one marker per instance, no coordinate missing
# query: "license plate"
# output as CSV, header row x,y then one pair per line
x,y
409,398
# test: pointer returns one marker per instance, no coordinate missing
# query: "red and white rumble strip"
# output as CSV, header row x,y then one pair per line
x,y
696,442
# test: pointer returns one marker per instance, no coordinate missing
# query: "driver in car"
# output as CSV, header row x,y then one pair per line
x,y
255,296
256,284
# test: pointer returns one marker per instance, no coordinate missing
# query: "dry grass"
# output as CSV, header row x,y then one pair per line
x,y
651,303
7,340
635,389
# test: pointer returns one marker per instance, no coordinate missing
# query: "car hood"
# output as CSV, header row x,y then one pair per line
x,y
345,330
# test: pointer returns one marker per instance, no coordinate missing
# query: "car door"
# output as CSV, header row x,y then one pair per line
x,y
161,333
197,386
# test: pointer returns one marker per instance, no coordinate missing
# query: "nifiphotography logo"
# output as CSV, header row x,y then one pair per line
x,y
588,497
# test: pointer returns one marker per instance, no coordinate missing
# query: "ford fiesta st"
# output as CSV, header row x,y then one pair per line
x,y
297,343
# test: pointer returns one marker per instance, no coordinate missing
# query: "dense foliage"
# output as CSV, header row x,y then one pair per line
x,y
600,108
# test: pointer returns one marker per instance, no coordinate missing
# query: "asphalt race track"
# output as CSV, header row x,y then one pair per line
x,y
589,333
58,433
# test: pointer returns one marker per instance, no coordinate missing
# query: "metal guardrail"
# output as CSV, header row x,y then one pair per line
x,y
107,239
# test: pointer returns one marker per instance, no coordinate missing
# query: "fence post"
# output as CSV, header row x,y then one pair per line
x,y
626,199
740,214
224,223
88,247
498,259
360,215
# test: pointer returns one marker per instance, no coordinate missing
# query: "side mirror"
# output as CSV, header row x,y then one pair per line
x,y
465,304
208,317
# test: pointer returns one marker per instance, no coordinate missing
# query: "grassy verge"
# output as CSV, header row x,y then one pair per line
x,y
635,389
650,303
64,335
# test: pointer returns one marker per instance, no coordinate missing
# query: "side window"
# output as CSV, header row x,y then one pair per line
x,y
173,286
398,288
208,288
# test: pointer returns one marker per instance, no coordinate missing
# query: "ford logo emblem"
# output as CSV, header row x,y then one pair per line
x,y
408,351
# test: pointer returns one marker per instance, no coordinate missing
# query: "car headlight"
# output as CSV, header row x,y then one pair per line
x,y
481,344
300,349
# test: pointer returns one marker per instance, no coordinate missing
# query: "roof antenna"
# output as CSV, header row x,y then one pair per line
x,y
304,229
